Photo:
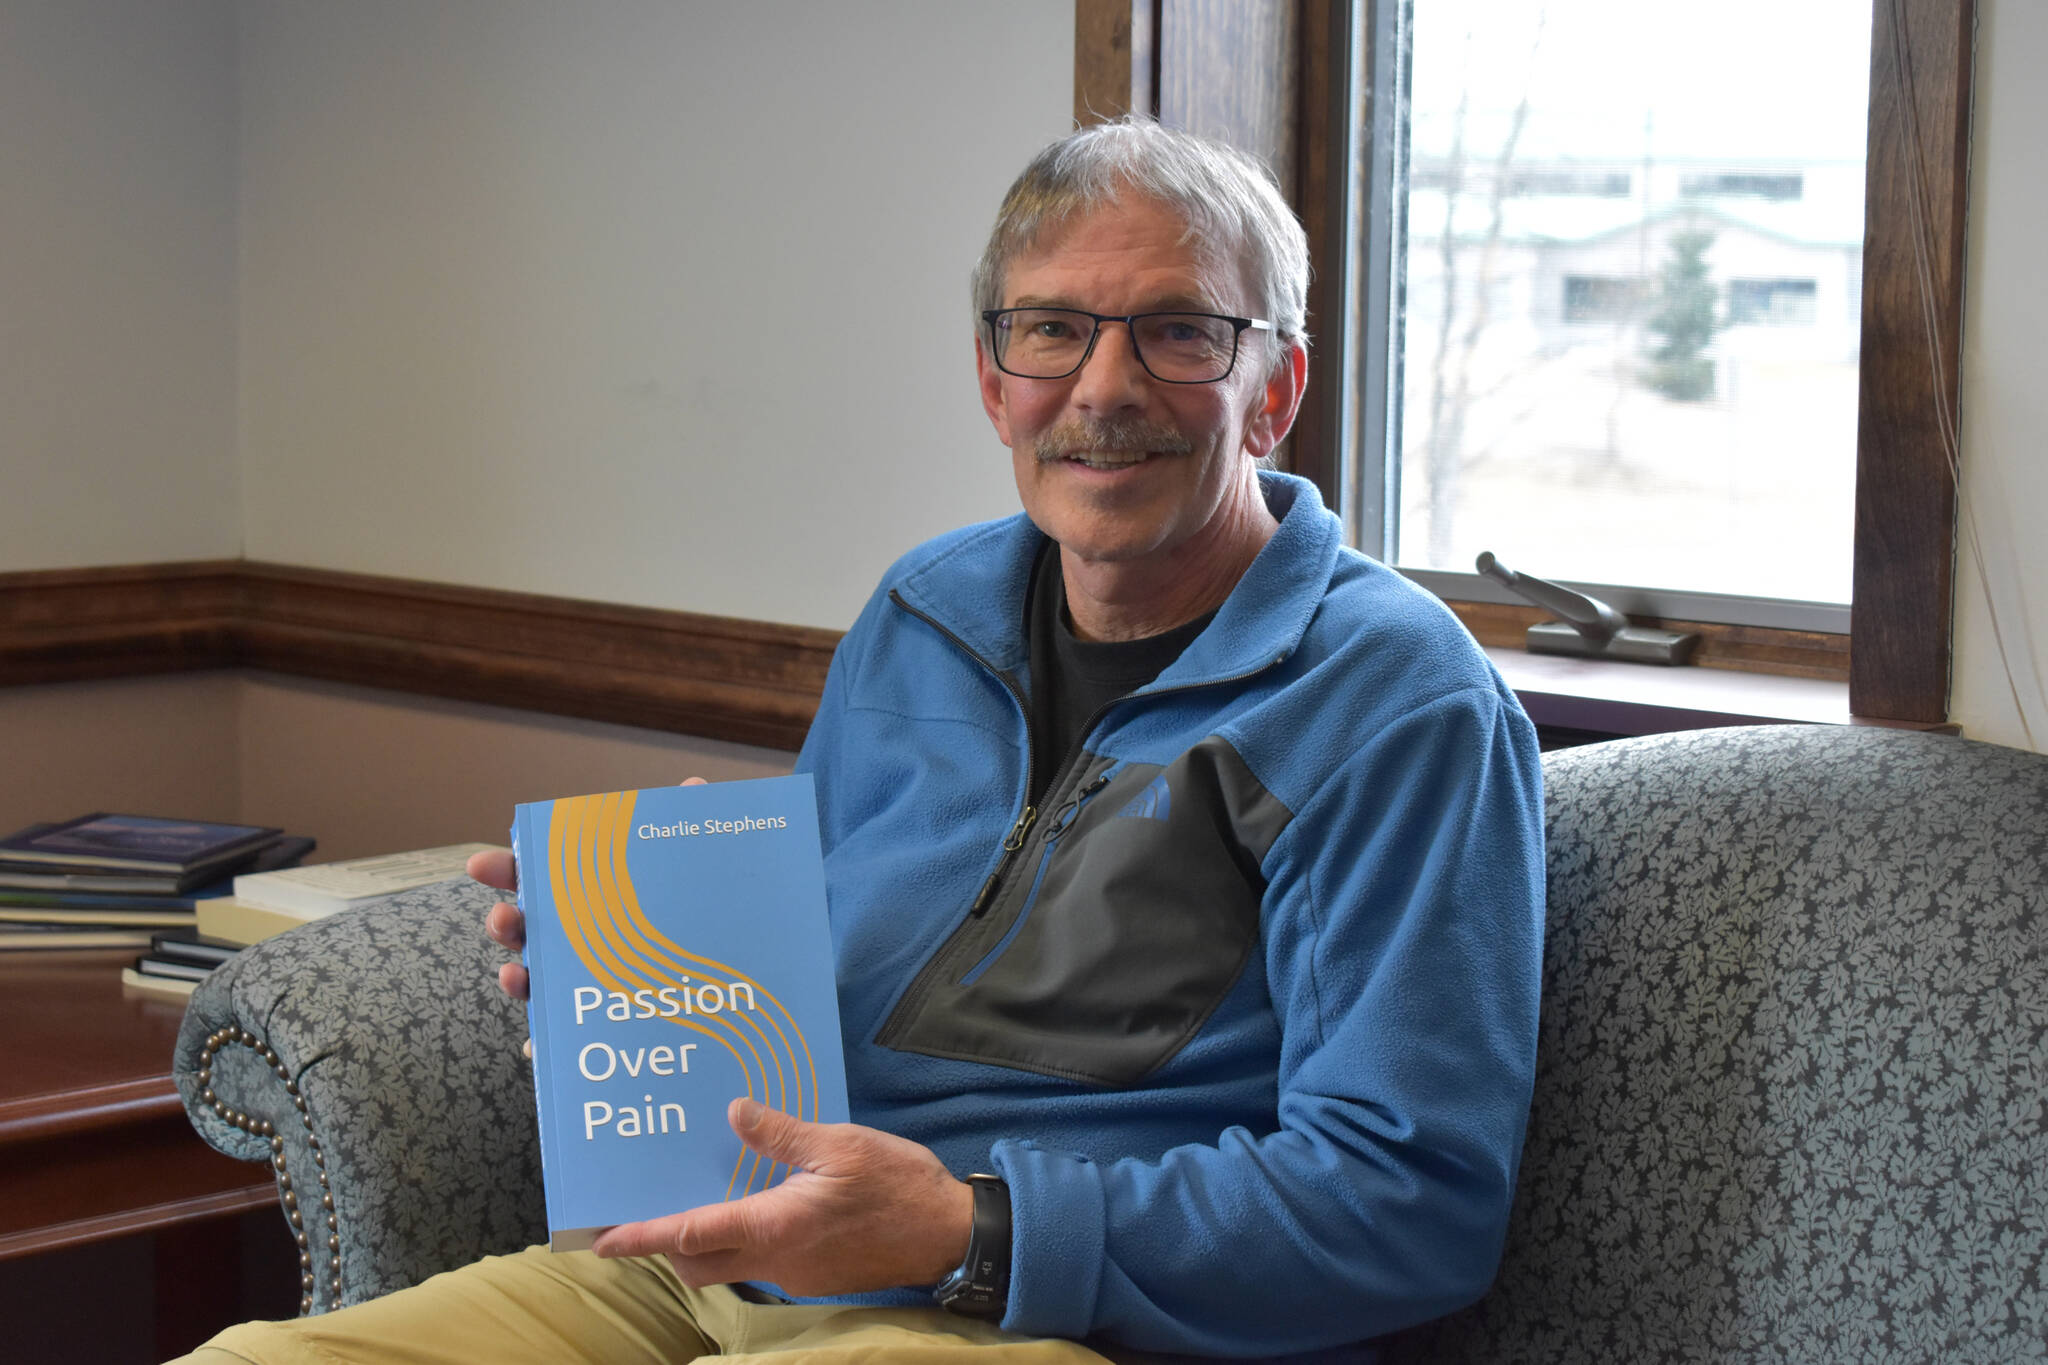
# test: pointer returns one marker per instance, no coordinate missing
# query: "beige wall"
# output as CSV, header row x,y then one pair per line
x,y
643,301
2002,569
117,282
166,745
648,301
367,771
361,770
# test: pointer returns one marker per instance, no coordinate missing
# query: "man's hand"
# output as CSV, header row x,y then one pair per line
x,y
863,1210
504,923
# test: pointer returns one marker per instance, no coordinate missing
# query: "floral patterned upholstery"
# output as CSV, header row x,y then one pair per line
x,y
1794,1050
1790,1091
419,1111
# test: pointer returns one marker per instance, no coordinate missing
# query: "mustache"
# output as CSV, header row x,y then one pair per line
x,y
1120,435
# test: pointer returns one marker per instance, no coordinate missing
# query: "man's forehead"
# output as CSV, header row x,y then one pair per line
x,y
1128,221
1130,211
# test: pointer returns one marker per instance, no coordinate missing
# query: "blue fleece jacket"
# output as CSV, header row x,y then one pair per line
x,y
1245,1014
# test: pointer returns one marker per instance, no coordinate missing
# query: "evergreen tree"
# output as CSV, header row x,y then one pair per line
x,y
1684,320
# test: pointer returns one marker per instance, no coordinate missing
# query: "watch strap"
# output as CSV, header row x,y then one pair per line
x,y
980,1286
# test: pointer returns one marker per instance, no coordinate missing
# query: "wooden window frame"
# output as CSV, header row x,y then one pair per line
x,y
1226,66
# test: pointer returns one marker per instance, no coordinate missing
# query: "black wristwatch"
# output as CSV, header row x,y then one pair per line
x,y
980,1287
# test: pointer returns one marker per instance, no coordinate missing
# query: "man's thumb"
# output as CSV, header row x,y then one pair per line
x,y
770,1132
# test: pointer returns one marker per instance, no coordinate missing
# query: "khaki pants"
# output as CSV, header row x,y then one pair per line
x,y
553,1309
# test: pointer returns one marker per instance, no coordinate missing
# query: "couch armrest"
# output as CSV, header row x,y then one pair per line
x,y
372,1060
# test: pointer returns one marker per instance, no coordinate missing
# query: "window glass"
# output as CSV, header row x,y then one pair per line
x,y
1621,296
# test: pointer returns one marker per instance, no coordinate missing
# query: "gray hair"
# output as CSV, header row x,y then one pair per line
x,y
1228,198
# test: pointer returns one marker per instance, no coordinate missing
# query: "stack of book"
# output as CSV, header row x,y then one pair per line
x,y
177,961
268,903
119,881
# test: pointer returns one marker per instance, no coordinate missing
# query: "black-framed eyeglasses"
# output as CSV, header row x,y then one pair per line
x,y
1174,348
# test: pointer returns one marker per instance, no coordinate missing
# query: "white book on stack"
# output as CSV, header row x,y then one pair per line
x,y
267,903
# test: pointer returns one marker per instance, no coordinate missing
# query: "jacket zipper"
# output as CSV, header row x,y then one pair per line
x,y
1014,840
1063,817
1061,822
934,970
1011,843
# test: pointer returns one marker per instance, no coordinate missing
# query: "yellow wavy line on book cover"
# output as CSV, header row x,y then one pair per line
x,y
632,955
620,946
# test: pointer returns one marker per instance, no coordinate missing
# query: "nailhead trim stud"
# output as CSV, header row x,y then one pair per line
x,y
286,1192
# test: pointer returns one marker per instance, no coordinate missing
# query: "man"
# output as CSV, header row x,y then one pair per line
x,y
1184,867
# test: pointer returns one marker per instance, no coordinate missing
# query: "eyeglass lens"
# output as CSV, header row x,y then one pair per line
x,y
1050,343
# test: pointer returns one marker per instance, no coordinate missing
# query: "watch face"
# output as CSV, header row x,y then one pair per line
x,y
959,1295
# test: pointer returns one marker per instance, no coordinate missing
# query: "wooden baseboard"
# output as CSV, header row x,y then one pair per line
x,y
745,681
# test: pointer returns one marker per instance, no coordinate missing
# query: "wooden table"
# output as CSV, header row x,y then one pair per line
x,y
95,1146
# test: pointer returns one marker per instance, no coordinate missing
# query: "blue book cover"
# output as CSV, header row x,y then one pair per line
x,y
679,956
142,843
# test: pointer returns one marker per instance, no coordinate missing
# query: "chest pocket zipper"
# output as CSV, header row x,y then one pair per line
x,y
1061,821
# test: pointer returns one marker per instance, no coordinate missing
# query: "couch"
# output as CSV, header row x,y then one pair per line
x,y
1789,1102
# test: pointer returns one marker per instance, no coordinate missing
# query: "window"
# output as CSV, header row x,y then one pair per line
x,y
1614,377
1277,77
1602,298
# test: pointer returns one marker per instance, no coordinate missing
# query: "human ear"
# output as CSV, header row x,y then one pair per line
x,y
993,401
1278,403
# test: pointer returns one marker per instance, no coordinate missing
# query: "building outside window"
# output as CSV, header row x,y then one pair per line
x,y
1608,325
1729,183
1773,303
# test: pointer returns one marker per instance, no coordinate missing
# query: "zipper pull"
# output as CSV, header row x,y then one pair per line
x,y
1064,817
1011,843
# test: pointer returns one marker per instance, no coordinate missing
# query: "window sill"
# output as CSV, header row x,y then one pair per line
x,y
1640,699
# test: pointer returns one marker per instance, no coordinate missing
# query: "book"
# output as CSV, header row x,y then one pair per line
x,y
679,957
36,883
104,917
38,878
270,904
324,888
137,843
188,945
177,969
106,910
231,921
168,987
31,937
109,900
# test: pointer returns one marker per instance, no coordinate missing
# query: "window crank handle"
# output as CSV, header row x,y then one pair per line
x,y
1591,617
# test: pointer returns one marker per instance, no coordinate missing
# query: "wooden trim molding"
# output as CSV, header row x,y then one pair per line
x,y
1116,59
723,678
746,681
67,625
1325,148
1916,193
